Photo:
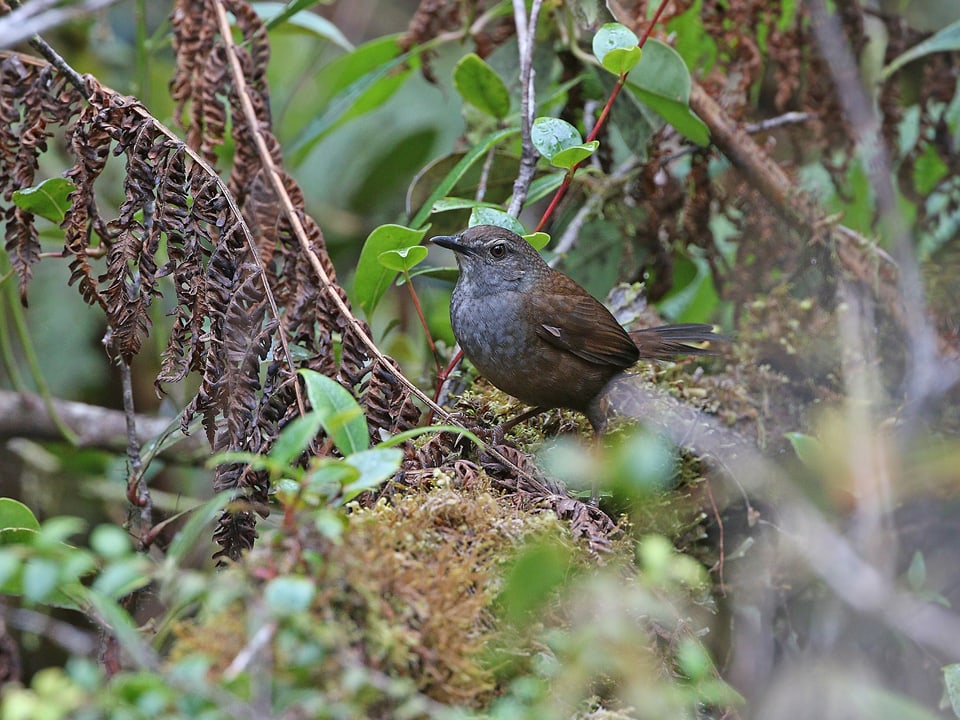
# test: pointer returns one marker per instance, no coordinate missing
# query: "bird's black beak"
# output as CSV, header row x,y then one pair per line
x,y
452,242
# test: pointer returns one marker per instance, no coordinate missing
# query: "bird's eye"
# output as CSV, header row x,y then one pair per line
x,y
498,251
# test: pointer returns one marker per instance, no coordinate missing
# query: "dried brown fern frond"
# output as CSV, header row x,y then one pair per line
x,y
224,251
32,99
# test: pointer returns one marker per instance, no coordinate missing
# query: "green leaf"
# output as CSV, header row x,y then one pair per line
x,y
446,185
534,576
544,185
200,517
945,40
694,298
110,542
693,659
360,81
418,431
122,577
951,681
40,578
14,514
480,86
287,595
808,449
616,47
403,259
340,415
48,199
327,477
539,240
493,216
372,278
56,530
294,438
10,566
448,274
560,142
454,203
497,217
917,572
662,81
289,15
375,466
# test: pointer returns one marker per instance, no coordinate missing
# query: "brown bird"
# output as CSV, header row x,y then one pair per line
x,y
537,335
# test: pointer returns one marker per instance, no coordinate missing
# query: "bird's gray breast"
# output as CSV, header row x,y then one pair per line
x,y
491,331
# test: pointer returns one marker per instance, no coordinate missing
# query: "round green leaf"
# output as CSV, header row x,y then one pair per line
x,y
539,240
551,136
287,595
403,259
480,86
616,47
493,216
620,61
662,81
373,278
14,514
573,155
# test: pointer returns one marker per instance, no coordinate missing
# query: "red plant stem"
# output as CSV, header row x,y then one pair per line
x,y
653,22
568,178
606,111
423,320
442,378
561,191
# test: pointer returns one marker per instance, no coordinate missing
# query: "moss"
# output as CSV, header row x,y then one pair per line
x,y
407,594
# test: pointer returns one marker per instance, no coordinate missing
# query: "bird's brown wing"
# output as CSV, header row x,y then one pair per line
x,y
584,327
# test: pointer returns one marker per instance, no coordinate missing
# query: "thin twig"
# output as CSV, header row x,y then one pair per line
x,y
34,17
789,118
137,491
526,32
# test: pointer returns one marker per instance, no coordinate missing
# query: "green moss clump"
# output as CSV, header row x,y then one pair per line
x,y
404,601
